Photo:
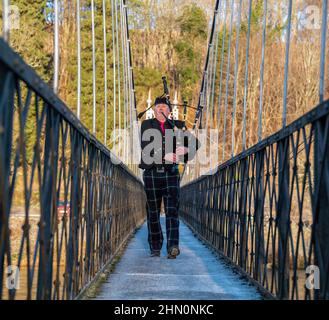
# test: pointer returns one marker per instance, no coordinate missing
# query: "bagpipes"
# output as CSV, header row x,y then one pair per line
x,y
179,130
167,96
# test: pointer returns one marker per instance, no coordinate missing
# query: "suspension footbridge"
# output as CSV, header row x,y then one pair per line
x,y
255,215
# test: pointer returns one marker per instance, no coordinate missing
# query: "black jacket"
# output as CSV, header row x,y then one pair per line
x,y
158,153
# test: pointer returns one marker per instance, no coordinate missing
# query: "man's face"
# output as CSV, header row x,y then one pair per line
x,y
161,109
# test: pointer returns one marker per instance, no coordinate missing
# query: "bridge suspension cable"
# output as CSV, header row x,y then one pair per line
x,y
236,76
228,76
114,70
286,67
245,96
5,20
105,72
222,88
117,48
56,46
222,64
261,83
78,59
93,63
123,101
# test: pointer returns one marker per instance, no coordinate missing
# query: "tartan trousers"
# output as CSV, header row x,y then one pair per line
x,y
160,185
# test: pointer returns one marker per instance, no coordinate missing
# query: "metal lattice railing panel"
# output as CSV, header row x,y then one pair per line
x,y
65,206
267,209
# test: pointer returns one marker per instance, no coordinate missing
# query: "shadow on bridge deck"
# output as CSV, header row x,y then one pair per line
x,y
195,274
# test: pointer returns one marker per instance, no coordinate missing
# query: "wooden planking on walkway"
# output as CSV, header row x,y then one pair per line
x,y
196,273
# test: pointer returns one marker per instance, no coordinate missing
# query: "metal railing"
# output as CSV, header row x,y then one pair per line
x,y
65,206
266,210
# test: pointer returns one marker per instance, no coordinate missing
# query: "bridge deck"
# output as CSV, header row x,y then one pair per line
x,y
195,274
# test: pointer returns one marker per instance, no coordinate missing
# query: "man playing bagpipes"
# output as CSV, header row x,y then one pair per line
x,y
165,143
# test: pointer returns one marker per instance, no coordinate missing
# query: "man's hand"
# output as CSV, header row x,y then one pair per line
x,y
173,157
181,151
170,157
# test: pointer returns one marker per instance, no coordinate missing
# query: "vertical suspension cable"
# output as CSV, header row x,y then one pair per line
x,y
127,81
203,116
127,74
78,60
228,77
94,63
216,61
208,89
56,47
123,56
211,89
105,73
123,78
210,85
206,94
244,139
5,20
128,70
237,47
286,67
212,69
260,111
222,64
209,124
114,73
200,106
212,102
127,60
211,74
128,86
199,111
323,47
133,115
119,72
131,85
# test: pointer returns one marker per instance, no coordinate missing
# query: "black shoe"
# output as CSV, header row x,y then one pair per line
x,y
173,253
155,253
